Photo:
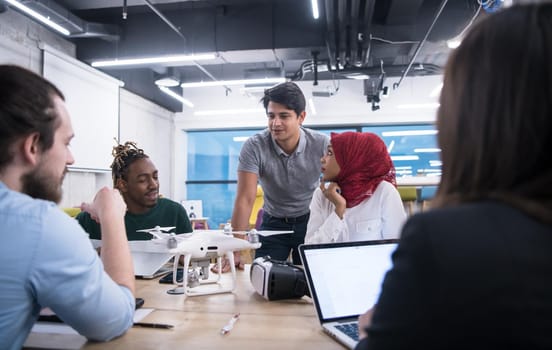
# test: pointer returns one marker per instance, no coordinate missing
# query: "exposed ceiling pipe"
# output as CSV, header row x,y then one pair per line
x,y
421,43
173,27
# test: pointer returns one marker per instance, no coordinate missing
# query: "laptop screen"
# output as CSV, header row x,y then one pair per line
x,y
345,278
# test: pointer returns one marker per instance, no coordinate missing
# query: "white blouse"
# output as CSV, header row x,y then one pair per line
x,y
379,217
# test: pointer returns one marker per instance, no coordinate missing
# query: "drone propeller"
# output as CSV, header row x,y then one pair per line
x,y
262,232
157,229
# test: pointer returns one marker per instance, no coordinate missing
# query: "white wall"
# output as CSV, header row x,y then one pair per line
x,y
152,128
140,120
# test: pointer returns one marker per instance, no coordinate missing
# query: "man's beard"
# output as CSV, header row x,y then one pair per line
x,y
39,184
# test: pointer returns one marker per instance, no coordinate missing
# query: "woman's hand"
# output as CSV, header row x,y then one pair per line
x,y
364,321
333,194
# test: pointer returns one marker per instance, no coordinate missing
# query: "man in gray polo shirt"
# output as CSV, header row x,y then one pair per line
x,y
285,160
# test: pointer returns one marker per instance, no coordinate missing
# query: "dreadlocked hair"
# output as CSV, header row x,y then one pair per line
x,y
123,156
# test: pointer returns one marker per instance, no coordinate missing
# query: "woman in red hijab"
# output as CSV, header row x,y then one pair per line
x,y
361,201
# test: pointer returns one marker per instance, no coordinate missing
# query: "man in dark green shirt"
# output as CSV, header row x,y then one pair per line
x,y
136,177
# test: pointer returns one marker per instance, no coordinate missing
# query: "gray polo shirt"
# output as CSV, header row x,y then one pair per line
x,y
288,180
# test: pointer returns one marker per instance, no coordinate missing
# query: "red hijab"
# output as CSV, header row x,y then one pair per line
x,y
364,163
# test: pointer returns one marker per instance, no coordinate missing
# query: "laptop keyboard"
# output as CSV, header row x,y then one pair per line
x,y
351,329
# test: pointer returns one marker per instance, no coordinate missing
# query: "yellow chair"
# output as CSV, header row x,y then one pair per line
x,y
408,196
258,204
72,212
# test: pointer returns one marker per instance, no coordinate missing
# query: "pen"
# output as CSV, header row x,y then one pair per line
x,y
224,330
153,325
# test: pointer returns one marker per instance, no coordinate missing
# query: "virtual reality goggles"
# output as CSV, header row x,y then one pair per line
x,y
275,279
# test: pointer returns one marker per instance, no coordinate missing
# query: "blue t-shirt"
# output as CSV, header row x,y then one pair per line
x,y
47,260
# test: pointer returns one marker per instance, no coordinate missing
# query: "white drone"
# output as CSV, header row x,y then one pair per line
x,y
161,235
199,247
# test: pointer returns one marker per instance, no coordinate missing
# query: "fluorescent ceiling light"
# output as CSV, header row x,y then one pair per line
x,y
167,81
427,150
418,105
39,17
409,133
311,106
233,82
405,158
176,96
453,43
315,13
231,111
357,76
150,60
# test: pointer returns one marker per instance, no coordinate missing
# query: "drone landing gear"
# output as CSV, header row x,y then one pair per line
x,y
195,284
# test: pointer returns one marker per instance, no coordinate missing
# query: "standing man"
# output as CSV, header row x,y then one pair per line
x,y
136,177
285,160
46,259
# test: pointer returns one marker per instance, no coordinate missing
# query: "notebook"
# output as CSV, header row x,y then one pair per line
x,y
149,259
345,281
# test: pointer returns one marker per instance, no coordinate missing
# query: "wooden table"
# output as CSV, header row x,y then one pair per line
x,y
286,324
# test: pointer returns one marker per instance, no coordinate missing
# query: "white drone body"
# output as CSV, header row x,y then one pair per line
x,y
203,245
199,248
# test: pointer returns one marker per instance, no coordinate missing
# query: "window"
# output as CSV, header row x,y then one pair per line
x,y
413,148
213,161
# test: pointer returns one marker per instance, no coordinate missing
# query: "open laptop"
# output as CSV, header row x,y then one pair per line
x,y
345,281
150,260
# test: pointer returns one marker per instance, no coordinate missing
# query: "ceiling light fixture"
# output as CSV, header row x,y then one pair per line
x,y
176,96
167,82
39,17
409,133
270,81
231,111
453,43
315,12
152,60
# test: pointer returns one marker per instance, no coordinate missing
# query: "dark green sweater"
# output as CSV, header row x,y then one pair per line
x,y
165,213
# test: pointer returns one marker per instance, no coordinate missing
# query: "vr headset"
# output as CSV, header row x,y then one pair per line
x,y
275,279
